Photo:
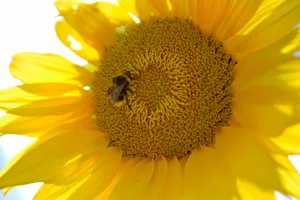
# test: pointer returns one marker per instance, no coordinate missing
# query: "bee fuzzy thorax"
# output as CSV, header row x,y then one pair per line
x,y
119,91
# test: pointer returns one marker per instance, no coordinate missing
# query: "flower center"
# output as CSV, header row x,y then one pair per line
x,y
177,82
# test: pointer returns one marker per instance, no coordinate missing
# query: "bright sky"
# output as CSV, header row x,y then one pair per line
x,y
28,26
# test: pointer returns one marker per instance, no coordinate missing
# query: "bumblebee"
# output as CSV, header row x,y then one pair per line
x,y
120,89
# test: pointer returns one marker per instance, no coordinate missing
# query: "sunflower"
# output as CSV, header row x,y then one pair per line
x,y
179,99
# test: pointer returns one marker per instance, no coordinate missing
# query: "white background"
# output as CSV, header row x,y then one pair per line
x,y
27,25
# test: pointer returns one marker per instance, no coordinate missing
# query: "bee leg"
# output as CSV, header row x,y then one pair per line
x,y
129,90
127,102
109,90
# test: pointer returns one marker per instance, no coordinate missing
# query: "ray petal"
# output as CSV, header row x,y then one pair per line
x,y
100,178
174,180
63,183
250,160
96,23
51,191
78,168
139,8
158,180
268,26
250,191
257,63
290,182
34,123
38,125
71,39
288,142
208,176
53,150
48,68
180,8
126,164
161,8
44,89
269,120
55,106
268,94
208,14
134,181
240,13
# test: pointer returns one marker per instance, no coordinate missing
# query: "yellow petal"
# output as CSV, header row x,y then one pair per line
x,y
241,12
48,68
126,164
183,161
158,180
180,8
95,23
63,5
57,192
290,177
174,181
279,85
53,150
288,142
139,8
250,191
39,125
66,181
268,95
78,169
287,73
50,192
161,7
71,39
94,28
248,156
134,181
37,91
192,5
73,181
275,22
55,106
268,120
208,176
290,183
234,122
210,21
284,162
100,178
255,64
282,76
208,15
114,13
6,190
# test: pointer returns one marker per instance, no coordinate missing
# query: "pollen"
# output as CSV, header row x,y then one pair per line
x,y
180,89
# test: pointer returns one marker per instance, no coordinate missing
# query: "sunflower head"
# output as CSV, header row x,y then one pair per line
x,y
179,96
179,99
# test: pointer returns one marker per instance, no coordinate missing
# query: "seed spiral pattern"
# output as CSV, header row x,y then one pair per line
x,y
180,85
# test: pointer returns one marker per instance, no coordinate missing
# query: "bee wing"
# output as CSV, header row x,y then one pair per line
x,y
115,93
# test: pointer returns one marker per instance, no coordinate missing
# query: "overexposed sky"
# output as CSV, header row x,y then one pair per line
x,y
27,25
